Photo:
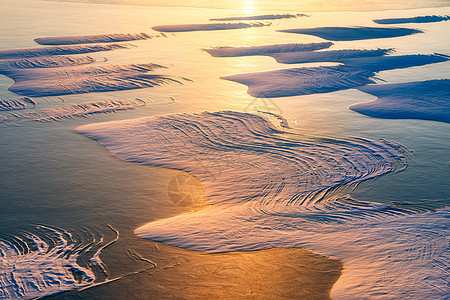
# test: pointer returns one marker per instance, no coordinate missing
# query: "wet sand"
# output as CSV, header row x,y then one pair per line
x,y
183,274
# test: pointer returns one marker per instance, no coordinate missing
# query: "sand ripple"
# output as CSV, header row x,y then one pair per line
x,y
62,50
267,188
89,39
49,261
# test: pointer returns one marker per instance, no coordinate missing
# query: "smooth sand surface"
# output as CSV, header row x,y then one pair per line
x,y
182,274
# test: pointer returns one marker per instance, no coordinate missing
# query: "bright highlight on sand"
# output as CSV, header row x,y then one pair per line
x,y
306,206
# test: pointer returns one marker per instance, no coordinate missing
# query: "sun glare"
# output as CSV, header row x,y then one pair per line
x,y
249,6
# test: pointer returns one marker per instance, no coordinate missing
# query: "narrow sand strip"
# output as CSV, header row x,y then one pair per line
x,y
261,17
90,39
207,27
353,33
265,50
421,19
63,50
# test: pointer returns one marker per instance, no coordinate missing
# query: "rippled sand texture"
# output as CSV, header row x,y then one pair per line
x,y
50,71
353,33
49,261
421,19
88,39
207,27
261,17
85,79
62,50
16,104
427,100
310,80
266,50
326,56
302,81
61,75
270,189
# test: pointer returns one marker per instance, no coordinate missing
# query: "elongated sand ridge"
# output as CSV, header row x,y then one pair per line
x,y
326,56
64,112
266,188
49,261
207,27
353,33
426,100
90,39
420,19
7,65
302,81
310,80
16,104
90,108
62,50
261,17
266,50
38,82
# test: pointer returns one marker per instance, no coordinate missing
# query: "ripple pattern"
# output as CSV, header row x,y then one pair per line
x,y
266,188
266,50
48,261
62,50
38,82
89,39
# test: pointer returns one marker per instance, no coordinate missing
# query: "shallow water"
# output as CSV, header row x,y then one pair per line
x,y
53,176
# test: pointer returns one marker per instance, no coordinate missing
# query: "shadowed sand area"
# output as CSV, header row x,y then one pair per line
x,y
261,17
183,274
16,104
67,112
310,80
63,50
265,50
326,56
207,27
88,39
353,33
421,19
7,65
427,100
85,109
38,82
